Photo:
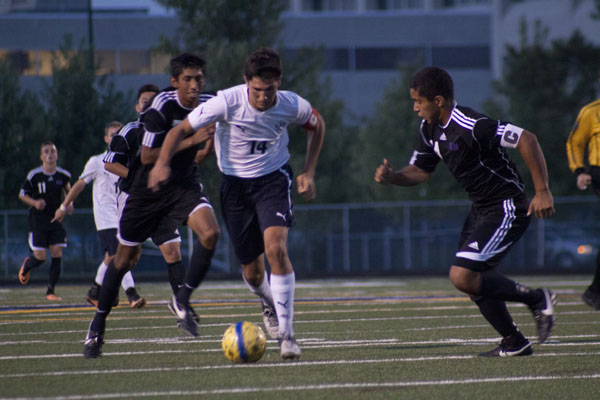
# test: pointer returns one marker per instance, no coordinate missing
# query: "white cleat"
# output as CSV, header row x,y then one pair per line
x,y
289,347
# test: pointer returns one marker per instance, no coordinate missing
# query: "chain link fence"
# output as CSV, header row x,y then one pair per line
x,y
371,239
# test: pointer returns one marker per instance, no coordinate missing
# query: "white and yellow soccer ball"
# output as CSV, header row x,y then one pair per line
x,y
244,342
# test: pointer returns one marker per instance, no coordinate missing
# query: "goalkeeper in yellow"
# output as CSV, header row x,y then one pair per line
x,y
586,134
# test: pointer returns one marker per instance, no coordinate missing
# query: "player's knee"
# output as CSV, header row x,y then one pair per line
x,y
276,252
210,237
464,280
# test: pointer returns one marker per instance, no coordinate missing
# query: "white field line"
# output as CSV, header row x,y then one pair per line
x,y
270,365
327,386
310,343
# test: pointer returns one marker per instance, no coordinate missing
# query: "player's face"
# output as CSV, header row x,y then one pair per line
x,y
110,134
428,110
189,84
48,154
143,100
262,93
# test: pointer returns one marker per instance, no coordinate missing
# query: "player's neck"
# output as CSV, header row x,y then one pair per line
x,y
49,168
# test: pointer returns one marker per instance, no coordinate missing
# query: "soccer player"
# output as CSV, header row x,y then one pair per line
x,y
585,134
106,216
122,158
42,192
472,145
252,153
179,199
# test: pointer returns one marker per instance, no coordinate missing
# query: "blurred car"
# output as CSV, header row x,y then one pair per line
x,y
573,249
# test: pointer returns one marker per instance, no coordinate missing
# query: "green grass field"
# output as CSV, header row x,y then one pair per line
x,y
389,338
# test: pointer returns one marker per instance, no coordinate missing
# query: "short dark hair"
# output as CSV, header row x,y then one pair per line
x,y
112,124
264,63
185,60
47,143
433,81
147,88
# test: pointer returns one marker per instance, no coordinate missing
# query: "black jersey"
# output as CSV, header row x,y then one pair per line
x,y
49,187
124,149
164,113
470,145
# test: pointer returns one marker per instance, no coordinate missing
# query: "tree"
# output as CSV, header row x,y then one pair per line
x,y
79,105
544,87
23,124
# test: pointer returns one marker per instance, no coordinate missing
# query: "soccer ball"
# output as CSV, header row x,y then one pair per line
x,y
244,342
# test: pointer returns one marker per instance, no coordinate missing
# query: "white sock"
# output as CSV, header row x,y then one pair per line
x,y
263,291
100,273
127,281
283,287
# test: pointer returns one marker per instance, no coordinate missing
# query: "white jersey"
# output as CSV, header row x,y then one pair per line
x,y
250,143
104,189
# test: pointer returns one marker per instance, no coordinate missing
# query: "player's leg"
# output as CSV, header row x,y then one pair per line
x,y
486,238
54,272
591,296
37,243
255,277
57,240
109,243
168,241
204,223
108,292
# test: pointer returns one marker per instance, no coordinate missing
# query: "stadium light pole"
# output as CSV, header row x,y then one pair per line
x,y
90,35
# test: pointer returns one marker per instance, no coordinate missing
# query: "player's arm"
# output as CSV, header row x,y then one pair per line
x,y
576,145
204,152
410,175
200,136
542,204
38,204
117,169
71,193
315,135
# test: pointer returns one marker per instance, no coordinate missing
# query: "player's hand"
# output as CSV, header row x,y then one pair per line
x,y
158,174
40,204
583,181
70,209
542,204
306,186
384,174
203,134
59,215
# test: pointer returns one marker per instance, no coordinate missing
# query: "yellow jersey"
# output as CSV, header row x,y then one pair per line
x,y
585,132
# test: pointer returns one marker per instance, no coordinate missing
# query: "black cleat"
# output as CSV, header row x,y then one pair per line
x,y
591,297
184,314
511,346
93,345
543,313
135,301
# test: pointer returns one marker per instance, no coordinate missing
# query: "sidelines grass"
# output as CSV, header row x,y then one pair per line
x,y
361,339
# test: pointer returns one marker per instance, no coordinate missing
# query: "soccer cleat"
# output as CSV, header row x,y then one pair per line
x,y
591,297
184,313
195,316
543,314
93,294
511,347
270,320
52,297
93,345
289,347
24,277
135,301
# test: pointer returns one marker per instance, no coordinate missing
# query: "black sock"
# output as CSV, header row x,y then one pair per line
x,y
496,313
199,266
176,272
54,274
108,294
596,281
32,263
496,286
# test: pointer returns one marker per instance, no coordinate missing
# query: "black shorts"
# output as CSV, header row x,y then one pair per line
x,y
490,232
109,241
251,205
52,235
147,214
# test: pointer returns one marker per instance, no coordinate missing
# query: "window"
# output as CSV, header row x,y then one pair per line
x,y
386,58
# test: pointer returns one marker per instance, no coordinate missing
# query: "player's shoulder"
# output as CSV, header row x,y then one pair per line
x,y
162,99
129,127
34,172
205,96
467,117
590,108
63,171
